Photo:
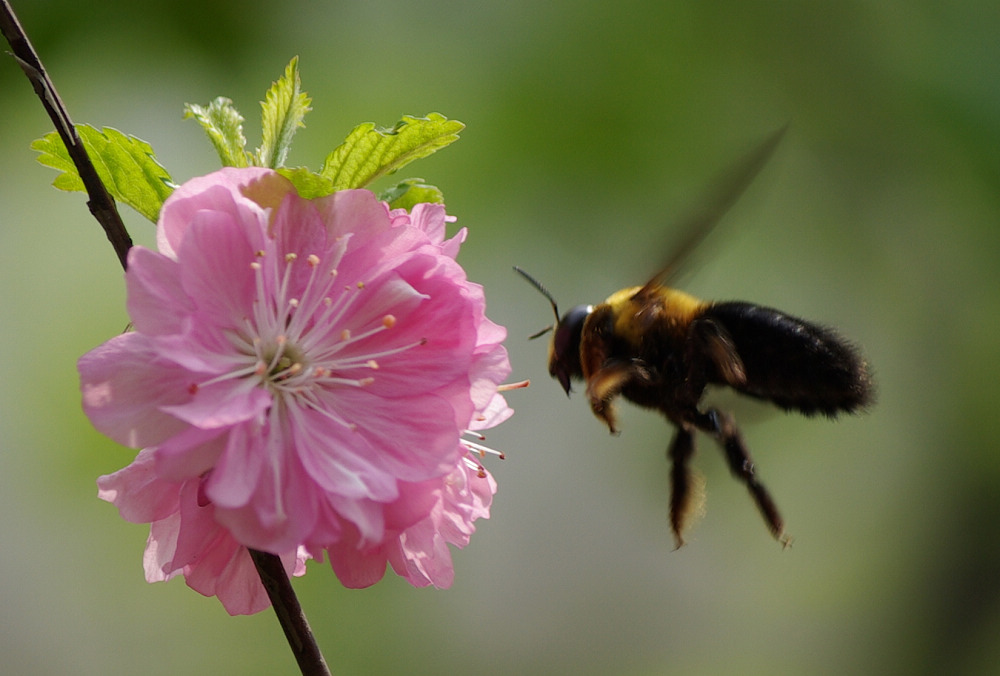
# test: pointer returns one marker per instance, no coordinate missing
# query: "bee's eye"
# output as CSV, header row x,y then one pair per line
x,y
567,335
564,358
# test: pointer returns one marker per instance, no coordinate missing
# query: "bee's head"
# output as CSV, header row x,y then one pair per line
x,y
564,350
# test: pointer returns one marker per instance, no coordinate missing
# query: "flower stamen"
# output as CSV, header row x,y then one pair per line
x,y
507,387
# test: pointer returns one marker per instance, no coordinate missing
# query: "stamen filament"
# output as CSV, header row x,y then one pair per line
x,y
480,450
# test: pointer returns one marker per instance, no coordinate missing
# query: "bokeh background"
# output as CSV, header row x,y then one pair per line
x,y
590,126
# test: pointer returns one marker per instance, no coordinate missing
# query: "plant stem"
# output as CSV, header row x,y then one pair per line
x,y
293,621
100,203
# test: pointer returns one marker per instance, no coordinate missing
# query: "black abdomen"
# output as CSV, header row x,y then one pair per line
x,y
794,363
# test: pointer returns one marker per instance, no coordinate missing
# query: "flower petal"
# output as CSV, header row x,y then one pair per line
x,y
220,191
138,493
216,255
337,458
222,404
125,384
157,302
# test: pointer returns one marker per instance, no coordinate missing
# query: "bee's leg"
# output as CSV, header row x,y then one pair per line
x,y
686,494
606,383
723,427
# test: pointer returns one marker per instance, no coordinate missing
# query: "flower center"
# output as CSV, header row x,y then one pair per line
x,y
279,362
300,337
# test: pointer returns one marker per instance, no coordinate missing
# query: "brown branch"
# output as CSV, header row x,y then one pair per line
x,y
100,203
293,621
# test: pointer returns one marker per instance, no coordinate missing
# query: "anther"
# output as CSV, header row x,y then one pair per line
x,y
388,321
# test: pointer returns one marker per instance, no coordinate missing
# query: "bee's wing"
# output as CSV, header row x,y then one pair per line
x,y
720,197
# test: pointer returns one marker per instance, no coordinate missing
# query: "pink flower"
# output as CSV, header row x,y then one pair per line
x,y
300,373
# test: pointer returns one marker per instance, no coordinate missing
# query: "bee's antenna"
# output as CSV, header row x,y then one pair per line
x,y
545,292
539,334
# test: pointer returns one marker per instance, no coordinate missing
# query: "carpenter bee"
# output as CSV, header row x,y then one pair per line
x,y
660,348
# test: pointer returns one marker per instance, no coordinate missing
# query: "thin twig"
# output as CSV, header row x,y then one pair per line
x,y
293,621
100,203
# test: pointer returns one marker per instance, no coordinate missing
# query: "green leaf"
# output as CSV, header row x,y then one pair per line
x,y
282,111
224,126
412,191
309,185
126,165
370,152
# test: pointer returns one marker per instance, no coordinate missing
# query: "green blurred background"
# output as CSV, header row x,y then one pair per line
x,y
590,124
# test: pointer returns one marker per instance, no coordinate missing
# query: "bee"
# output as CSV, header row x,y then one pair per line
x,y
660,348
